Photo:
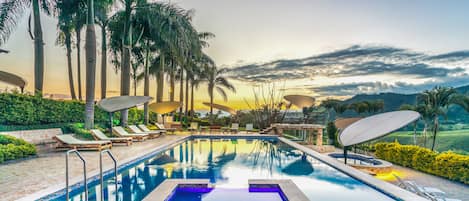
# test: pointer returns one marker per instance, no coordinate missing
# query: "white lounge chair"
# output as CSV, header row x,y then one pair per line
x,y
98,135
427,192
194,127
234,128
153,134
161,126
121,132
146,129
249,128
69,142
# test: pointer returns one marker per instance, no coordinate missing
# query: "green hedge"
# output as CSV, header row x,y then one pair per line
x,y
22,109
447,164
12,148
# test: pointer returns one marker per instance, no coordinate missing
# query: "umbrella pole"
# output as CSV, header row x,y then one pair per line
x,y
345,154
110,122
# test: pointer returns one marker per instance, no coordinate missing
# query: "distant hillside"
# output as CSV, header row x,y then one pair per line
x,y
392,102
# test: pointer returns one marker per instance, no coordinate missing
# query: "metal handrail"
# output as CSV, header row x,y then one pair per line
x,y
84,173
101,170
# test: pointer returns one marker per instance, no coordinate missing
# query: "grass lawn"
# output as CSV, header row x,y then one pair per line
x,y
456,140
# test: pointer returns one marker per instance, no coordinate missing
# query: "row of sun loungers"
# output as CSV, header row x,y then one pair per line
x,y
140,133
431,193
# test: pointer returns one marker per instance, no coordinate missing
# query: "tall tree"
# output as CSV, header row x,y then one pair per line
x,y
90,48
65,10
102,9
216,81
80,21
11,11
437,102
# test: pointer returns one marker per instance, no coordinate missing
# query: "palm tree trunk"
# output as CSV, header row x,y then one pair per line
x,y
68,46
103,62
125,82
78,35
210,93
90,52
146,85
159,95
125,66
192,100
425,134
171,82
187,97
181,92
435,131
415,133
38,51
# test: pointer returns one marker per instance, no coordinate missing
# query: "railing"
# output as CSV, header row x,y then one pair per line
x,y
101,171
66,173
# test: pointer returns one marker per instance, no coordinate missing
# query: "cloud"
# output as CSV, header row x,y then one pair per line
x,y
356,61
350,89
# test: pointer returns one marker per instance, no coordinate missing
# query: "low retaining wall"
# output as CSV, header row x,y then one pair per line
x,y
36,137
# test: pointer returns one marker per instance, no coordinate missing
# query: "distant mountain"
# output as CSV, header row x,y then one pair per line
x,y
393,101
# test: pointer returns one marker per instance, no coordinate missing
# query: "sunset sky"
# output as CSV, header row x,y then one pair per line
x,y
323,48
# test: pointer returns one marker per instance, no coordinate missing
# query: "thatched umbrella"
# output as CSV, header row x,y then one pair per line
x,y
221,107
300,101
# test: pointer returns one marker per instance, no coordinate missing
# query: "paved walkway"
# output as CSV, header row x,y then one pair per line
x,y
25,177
453,189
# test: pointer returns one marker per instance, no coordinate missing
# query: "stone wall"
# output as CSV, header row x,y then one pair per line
x,y
37,137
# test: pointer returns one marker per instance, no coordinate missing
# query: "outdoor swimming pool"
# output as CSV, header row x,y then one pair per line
x,y
229,163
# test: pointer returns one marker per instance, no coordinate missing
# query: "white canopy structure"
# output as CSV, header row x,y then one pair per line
x,y
164,107
300,101
221,107
376,126
119,103
12,79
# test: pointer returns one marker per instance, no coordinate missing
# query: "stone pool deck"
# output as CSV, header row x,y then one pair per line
x,y
34,176
453,189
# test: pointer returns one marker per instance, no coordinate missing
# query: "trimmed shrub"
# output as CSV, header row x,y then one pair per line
x,y
447,164
12,148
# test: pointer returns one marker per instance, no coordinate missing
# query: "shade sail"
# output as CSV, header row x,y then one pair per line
x,y
164,107
221,107
300,100
118,103
376,126
343,123
12,79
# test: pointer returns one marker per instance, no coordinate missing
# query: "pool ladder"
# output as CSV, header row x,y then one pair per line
x,y
109,153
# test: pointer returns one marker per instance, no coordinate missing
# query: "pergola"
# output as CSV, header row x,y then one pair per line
x,y
375,126
119,103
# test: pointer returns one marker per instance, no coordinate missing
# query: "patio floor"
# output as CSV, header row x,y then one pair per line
x,y
25,177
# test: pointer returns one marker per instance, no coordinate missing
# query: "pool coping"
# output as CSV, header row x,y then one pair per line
x,y
287,186
382,186
165,190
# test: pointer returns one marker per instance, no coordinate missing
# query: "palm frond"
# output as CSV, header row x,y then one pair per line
x,y
11,11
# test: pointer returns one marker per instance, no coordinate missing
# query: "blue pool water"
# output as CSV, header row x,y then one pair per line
x,y
229,163
217,194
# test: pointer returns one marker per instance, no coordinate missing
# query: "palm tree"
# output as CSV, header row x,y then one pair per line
x,y
437,102
102,9
79,21
215,80
90,50
65,11
10,14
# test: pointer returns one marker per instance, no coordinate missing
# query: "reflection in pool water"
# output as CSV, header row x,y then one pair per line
x,y
229,163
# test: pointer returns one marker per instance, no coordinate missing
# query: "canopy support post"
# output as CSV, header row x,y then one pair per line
x,y
345,154
110,122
